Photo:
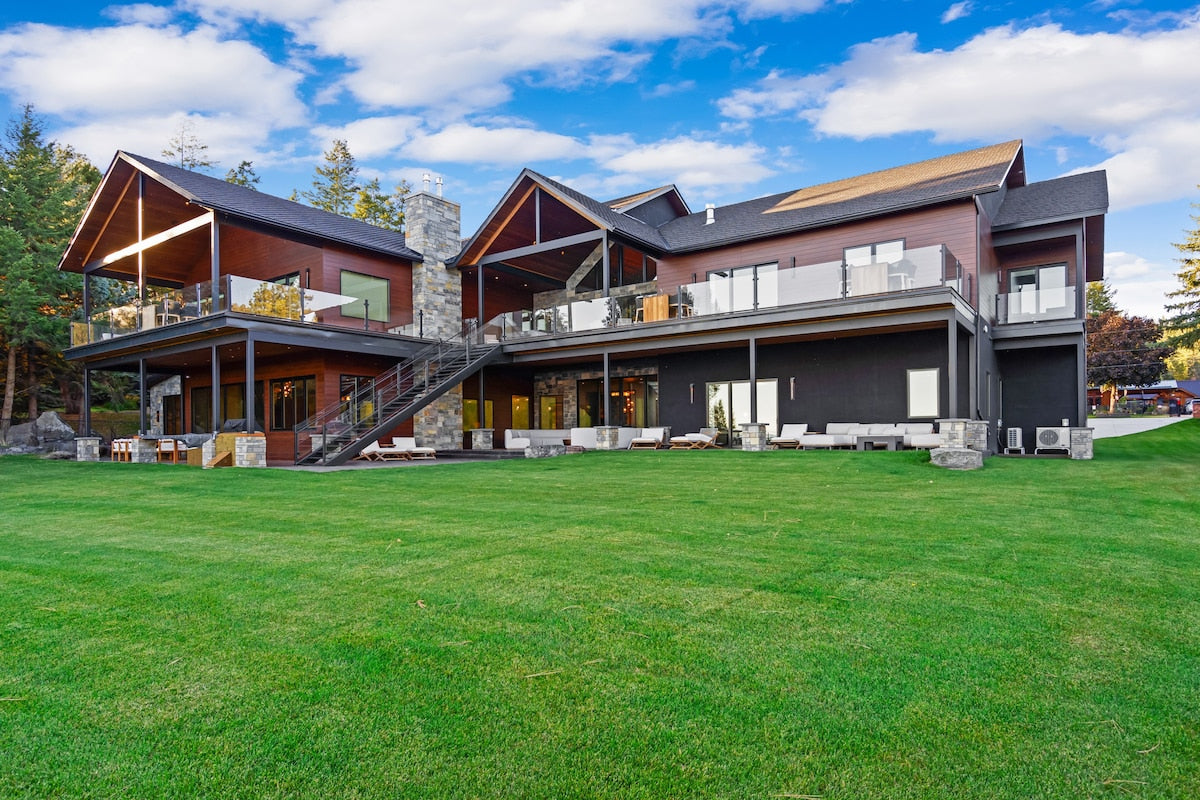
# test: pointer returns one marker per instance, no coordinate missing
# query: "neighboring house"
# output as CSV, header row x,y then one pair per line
x,y
946,288
1151,397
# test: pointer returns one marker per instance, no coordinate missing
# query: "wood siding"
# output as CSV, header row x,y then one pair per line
x,y
952,224
399,275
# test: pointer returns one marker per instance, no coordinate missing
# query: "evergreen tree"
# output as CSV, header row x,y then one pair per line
x,y
42,193
380,209
185,149
1099,298
335,186
243,175
1184,326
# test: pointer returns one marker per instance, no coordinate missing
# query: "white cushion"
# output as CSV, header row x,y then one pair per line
x,y
792,430
838,428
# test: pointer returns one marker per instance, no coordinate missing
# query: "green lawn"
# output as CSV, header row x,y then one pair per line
x,y
619,625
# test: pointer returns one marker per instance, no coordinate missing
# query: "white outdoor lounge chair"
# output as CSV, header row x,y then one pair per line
x,y
789,436
408,444
693,441
650,439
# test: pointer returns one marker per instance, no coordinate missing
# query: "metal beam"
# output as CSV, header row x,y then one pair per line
x,y
534,249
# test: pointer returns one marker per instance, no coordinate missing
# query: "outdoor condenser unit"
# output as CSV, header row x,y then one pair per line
x,y
1056,438
1016,441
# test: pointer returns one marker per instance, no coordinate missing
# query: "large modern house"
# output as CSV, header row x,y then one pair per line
x,y
949,288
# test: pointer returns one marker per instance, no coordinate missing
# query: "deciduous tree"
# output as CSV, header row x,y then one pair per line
x,y
1123,351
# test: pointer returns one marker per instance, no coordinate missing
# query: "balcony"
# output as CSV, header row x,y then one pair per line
x,y
234,293
1036,305
766,288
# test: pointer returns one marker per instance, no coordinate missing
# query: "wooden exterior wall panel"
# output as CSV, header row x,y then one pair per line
x,y
399,275
952,225
251,254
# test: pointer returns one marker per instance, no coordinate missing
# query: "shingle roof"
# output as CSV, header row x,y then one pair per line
x,y
936,180
251,205
1069,197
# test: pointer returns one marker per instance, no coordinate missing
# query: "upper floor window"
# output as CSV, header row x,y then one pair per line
x,y
874,253
371,294
1039,293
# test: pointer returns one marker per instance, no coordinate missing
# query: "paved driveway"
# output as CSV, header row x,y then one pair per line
x,y
1107,427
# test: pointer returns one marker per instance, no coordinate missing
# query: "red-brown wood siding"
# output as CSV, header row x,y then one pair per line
x,y
952,224
1051,251
251,254
399,275
988,285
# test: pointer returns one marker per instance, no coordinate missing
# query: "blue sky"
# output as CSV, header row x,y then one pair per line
x,y
728,99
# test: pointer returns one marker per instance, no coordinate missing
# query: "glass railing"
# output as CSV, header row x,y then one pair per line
x,y
921,268
1036,305
235,293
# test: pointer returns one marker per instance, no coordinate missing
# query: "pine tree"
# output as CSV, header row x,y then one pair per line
x,y
185,150
1184,326
43,194
335,184
380,209
1099,298
243,175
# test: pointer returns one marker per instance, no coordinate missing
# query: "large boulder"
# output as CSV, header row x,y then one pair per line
x,y
958,458
51,428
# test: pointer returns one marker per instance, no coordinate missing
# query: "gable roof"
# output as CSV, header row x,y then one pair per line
x,y
1069,197
254,206
936,180
610,218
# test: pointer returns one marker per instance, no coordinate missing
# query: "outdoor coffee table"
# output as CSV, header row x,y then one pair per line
x,y
868,441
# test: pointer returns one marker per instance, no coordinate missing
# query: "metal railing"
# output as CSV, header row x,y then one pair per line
x,y
233,293
920,268
1037,305
339,430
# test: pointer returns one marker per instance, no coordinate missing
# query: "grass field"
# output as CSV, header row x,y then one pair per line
x,y
608,625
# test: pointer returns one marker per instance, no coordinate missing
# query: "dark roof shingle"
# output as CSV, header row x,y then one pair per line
x,y
1069,197
251,205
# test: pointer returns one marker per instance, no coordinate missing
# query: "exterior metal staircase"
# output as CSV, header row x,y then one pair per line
x,y
339,432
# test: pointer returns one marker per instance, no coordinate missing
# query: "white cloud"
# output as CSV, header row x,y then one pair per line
x,y
1139,286
466,53
139,13
1132,93
134,79
465,144
956,12
687,162
371,137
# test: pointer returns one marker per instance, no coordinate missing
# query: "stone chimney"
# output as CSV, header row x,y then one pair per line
x,y
431,227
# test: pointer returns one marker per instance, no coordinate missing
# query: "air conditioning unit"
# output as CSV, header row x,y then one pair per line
x,y
1016,441
1056,438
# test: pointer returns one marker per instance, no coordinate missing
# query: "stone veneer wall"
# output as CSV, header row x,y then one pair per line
x,y
432,228
171,386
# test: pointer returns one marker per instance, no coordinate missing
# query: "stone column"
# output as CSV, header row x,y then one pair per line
x,y
607,437
143,451
482,438
87,448
250,450
1081,444
754,436
960,440
431,228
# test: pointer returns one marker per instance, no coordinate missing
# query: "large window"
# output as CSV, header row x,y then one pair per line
x,y
729,405
358,402
471,419
368,288
520,411
233,405
1040,292
293,400
633,402
550,412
